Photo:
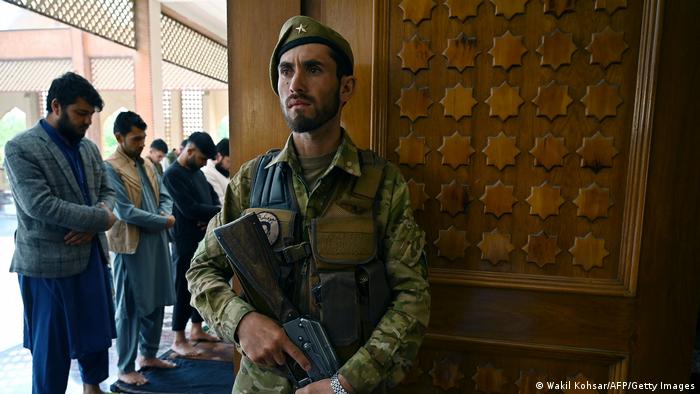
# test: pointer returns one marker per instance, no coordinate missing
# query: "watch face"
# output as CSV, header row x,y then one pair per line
x,y
270,224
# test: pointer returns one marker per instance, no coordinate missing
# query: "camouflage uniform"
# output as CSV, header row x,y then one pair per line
x,y
387,355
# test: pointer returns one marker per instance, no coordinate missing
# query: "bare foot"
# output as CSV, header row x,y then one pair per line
x,y
135,378
184,349
203,337
153,362
92,389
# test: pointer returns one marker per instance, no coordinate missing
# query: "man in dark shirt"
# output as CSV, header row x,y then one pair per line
x,y
195,202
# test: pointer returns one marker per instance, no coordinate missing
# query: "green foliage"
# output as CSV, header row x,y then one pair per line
x,y
12,123
109,143
223,128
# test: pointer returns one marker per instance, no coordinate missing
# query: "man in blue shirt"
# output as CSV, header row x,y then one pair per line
x,y
64,206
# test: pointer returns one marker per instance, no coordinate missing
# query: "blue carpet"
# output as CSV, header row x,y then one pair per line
x,y
192,376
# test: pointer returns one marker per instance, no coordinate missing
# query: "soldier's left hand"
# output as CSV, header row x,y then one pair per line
x,y
320,387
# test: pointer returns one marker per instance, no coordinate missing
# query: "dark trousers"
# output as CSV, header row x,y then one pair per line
x,y
183,311
50,345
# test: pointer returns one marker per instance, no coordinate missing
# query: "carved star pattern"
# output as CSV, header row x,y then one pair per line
x,y
610,6
456,150
418,195
541,249
451,243
552,100
607,47
527,382
489,379
593,202
412,150
545,200
416,10
446,373
415,54
414,102
462,9
495,247
453,198
507,50
509,8
559,7
602,100
597,152
461,52
458,102
504,101
549,151
414,374
556,49
589,252
501,151
498,199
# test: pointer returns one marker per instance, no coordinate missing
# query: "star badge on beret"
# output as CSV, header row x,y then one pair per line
x,y
301,29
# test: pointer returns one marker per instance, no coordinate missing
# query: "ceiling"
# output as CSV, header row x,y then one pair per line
x,y
209,14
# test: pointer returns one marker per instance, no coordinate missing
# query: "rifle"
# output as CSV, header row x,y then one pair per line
x,y
254,262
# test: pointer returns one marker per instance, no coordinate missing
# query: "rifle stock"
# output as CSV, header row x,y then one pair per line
x,y
252,259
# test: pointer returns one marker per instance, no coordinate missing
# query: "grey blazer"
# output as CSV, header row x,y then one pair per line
x,y
50,204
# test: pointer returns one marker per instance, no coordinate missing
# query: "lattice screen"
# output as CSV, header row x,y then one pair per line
x,y
192,50
192,111
167,113
111,19
43,95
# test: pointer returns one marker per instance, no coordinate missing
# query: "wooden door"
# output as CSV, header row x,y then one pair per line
x,y
549,146
524,129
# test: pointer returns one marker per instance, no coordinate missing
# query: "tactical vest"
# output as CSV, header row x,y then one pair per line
x,y
331,269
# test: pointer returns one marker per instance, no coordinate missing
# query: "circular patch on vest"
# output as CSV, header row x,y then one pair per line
x,y
270,224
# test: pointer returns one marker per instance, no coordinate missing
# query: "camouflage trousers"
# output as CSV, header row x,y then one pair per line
x,y
252,379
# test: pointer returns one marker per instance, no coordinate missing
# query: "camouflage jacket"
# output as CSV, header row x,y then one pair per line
x,y
394,344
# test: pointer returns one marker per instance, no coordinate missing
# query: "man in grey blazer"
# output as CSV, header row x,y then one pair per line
x,y
64,206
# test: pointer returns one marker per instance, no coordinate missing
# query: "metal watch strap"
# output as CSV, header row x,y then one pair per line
x,y
336,386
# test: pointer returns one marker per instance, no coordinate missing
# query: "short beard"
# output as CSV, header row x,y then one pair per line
x,y
302,124
192,164
67,129
222,170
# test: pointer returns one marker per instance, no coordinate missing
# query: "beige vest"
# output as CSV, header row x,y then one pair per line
x,y
123,237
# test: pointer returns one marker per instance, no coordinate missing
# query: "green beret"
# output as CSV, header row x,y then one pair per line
x,y
300,30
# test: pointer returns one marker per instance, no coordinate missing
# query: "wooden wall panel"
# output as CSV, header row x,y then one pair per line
x,y
510,320
352,19
669,272
457,365
256,123
533,75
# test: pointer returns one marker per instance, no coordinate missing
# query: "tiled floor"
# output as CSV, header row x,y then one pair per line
x,y
16,361
16,366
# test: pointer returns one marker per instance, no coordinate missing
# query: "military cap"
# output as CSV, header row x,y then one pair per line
x,y
204,143
300,30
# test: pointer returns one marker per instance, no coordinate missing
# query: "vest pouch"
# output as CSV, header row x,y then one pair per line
x,y
338,307
374,294
278,225
348,241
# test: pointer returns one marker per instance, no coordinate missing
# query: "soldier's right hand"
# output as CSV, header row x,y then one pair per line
x,y
264,342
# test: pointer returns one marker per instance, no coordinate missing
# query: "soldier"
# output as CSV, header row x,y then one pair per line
x,y
340,219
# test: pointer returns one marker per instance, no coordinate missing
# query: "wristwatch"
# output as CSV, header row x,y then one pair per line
x,y
336,386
